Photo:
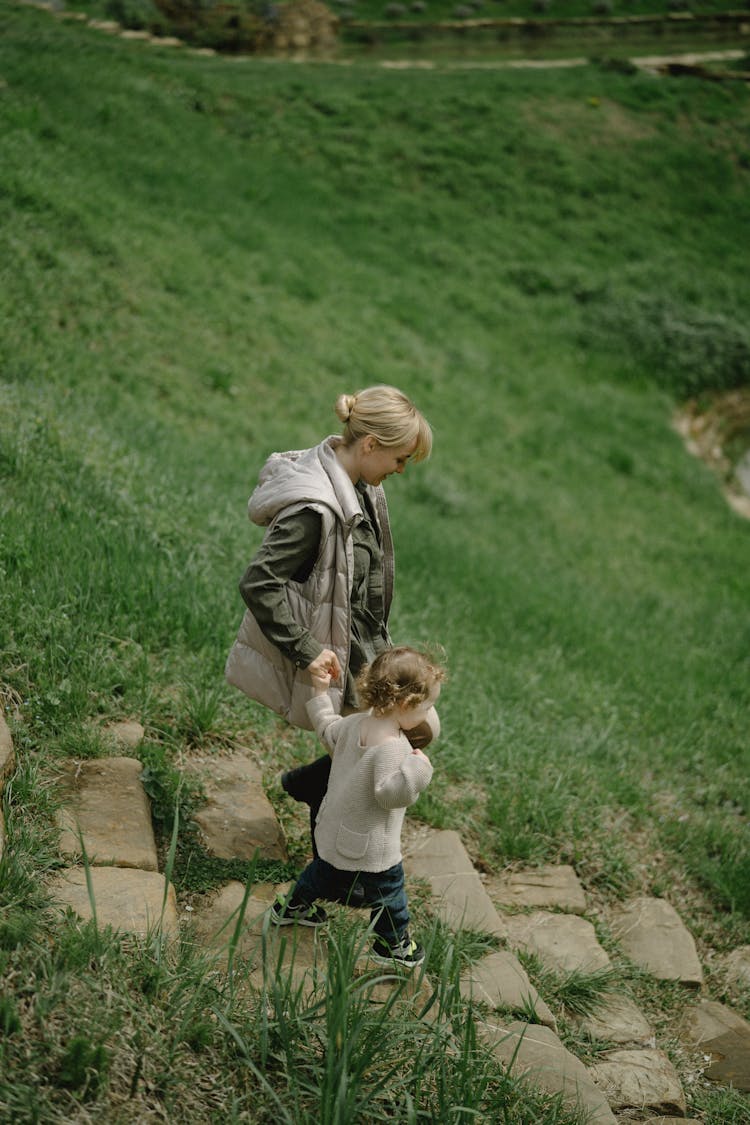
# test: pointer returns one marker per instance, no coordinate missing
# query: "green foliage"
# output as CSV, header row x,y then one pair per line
x,y
227,25
579,992
686,349
83,1067
137,15
716,851
10,1022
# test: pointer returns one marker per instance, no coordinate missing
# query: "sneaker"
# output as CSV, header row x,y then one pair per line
x,y
408,952
284,914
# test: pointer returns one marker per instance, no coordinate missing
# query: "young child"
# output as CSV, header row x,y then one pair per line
x,y
375,775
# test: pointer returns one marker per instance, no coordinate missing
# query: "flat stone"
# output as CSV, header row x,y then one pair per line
x,y
7,757
416,993
295,954
731,1065
563,942
553,886
618,1020
737,964
652,934
722,1033
238,818
537,1053
215,920
125,899
127,734
104,800
499,980
642,1079
709,1019
458,894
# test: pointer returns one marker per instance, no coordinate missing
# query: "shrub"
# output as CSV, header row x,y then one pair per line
x,y
137,15
225,26
687,349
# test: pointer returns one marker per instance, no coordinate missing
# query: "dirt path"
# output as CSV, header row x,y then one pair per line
x,y
645,62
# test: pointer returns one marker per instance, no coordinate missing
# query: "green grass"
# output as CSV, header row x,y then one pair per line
x,y
196,257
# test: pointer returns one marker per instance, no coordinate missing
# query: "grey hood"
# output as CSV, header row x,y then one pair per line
x,y
305,476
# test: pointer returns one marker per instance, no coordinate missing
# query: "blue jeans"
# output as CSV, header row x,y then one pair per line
x,y
382,891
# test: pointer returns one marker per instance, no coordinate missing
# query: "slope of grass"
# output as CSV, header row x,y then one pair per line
x,y
196,257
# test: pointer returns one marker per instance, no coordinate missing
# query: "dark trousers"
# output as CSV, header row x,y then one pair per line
x,y
309,784
382,891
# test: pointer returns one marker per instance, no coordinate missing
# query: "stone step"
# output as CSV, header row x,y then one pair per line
x,y
137,902
724,1035
737,965
564,942
618,1020
104,804
549,886
499,980
7,765
215,919
301,952
458,894
7,755
642,1079
537,1053
125,734
238,818
652,934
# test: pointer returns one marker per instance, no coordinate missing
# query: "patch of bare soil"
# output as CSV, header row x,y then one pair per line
x,y
602,120
716,428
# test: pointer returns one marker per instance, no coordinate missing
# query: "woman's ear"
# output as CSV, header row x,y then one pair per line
x,y
369,443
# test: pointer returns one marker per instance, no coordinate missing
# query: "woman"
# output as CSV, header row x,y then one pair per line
x,y
318,592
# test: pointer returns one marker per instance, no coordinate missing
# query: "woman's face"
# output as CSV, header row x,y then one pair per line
x,y
378,461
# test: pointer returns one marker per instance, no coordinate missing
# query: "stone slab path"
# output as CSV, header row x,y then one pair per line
x,y
105,811
237,818
652,934
106,807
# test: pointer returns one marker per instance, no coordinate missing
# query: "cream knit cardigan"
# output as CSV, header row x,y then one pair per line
x,y
359,823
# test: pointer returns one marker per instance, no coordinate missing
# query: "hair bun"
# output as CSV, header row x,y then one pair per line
x,y
344,406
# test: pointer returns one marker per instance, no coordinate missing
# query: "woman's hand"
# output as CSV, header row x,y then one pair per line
x,y
323,669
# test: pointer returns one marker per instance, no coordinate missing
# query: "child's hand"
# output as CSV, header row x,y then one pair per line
x,y
421,754
323,669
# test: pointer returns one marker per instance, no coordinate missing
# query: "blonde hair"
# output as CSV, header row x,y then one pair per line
x,y
399,677
388,415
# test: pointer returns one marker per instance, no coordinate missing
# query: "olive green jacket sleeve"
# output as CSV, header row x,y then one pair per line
x,y
288,553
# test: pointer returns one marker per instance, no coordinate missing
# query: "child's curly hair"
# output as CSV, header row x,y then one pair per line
x,y
399,677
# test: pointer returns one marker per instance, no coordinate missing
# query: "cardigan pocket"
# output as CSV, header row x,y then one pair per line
x,y
351,844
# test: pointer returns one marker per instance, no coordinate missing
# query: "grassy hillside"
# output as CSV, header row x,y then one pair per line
x,y
196,257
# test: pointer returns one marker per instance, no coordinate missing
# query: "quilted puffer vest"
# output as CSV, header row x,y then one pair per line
x,y
311,478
